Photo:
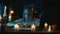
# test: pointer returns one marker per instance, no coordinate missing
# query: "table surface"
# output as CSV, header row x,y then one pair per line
x,y
26,32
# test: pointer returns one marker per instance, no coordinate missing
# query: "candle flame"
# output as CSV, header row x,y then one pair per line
x,y
5,7
11,12
45,24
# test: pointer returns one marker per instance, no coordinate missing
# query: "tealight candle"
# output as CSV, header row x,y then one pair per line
x,y
33,27
45,25
16,26
49,29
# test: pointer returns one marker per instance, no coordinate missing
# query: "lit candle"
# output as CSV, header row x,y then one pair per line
x,y
0,18
49,29
10,17
4,11
10,14
16,26
33,27
46,25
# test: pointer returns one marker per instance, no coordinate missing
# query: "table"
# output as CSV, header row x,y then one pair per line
x,y
26,32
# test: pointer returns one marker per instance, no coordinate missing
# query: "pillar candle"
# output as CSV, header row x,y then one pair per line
x,y
4,11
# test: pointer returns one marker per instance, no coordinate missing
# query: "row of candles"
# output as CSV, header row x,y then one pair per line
x,y
33,27
10,14
16,27
46,26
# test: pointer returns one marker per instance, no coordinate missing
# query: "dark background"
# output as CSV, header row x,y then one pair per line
x,y
49,7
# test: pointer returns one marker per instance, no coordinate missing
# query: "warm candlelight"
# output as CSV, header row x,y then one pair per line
x,y
5,7
10,17
0,18
49,29
33,27
45,25
16,26
11,12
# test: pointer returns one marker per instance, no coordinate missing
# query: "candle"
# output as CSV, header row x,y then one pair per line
x,y
16,26
0,18
46,25
10,17
10,14
33,27
49,29
4,11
